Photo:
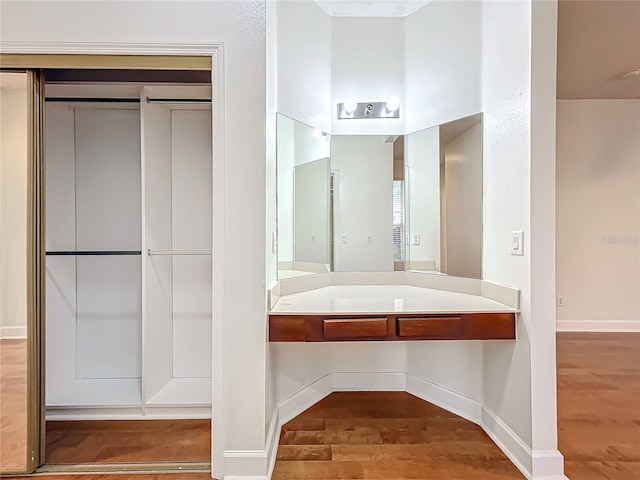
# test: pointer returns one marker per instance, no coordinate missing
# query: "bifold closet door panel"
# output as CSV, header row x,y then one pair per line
x,y
191,229
158,288
93,307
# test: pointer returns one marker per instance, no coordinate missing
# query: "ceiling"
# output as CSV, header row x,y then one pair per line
x,y
597,42
371,8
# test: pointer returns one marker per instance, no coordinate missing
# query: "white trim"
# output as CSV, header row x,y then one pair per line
x,y
126,413
108,48
376,382
216,51
273,439
547,464
295,404
506,439
454,402
598,326
245,464
13,333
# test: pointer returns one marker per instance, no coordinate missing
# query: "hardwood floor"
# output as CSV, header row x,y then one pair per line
x,y
128,441
120,476
599,405
13,411
386,435
351,435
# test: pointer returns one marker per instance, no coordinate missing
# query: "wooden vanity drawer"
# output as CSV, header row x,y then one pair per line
x,y
344,328
449,327
287,329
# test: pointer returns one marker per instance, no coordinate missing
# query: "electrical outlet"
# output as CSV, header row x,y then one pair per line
x,y
415,239
368,238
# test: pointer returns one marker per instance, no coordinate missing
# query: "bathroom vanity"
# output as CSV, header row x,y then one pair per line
x,y
334,311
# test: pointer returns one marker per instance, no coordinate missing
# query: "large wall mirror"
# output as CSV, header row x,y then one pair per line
x,y
304,200
379,203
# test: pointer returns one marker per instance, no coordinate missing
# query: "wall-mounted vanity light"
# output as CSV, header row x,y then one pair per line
x,y
358,110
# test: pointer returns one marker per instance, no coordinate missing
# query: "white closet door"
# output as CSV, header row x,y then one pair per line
x,y
177,160
94,303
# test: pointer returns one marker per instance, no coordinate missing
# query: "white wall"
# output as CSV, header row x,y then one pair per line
x,y
363,203
518,87
241,26
367,65
286,160
422,156
443,60
304,63
506,92
463,190
598,214
13,206
311,211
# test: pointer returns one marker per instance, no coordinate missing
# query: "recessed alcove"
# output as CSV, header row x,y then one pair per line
x,y
386,435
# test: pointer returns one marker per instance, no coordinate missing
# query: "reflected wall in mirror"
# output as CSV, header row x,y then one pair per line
x,y
14,155
388,203
364,217
304,199
444,198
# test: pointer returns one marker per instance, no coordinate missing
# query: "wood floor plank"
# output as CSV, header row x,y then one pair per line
x,y
317,470
304,452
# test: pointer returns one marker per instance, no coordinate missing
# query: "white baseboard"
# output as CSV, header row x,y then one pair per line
x,y
273,439
245,464
506,439
252,464
362,382
598,326
54,413
466,407
547,464
13,332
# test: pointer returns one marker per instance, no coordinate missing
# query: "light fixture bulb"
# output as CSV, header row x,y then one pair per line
x,y
350,106
393,103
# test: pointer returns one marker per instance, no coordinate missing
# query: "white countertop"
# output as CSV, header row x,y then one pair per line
x,y
378,299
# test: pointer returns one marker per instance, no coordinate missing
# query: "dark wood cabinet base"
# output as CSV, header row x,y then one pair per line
x,y
392,327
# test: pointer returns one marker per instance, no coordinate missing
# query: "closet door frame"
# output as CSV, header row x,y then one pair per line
x,y
35,273
36,55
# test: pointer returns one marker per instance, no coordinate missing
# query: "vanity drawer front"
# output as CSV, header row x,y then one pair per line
x,y
344,328
430,327
287,329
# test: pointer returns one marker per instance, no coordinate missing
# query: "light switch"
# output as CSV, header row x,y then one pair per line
x,y
343,238
415,239
517,239
368,238
313,238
